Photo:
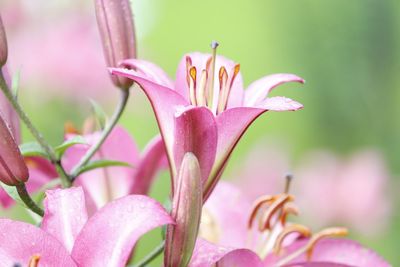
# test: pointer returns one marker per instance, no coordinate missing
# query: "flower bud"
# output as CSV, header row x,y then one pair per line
x,y
3,45
115,22
13,169
186,211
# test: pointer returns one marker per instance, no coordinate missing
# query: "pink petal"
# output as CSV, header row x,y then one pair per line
x,y
65,214
199,60
280,103
165,102
231,124
317,264
108,237
259,89
149,71
105,184
5,200
20,241
152,160
341,251
41,171
196,132
207,254
227,209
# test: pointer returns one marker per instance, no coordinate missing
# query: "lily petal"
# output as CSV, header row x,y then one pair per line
x,y
165,103
65,214
108,237
231,124
196,132
105,184
280,103
21,241
341,251
149,71
317,264
259,89
153,160
207,254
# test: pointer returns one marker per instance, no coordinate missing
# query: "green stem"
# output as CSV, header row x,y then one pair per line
x,y
151,256
107,130
36,134
26,198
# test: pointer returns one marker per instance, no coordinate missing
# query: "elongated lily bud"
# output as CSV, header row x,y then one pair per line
x,y
3,45
115,22
12,166
186,211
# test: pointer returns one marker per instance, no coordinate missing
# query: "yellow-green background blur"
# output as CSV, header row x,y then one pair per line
x,y
347,50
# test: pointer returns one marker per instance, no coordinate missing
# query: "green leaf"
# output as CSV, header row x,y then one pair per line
x,y
60,150
32,149
12,192
99,113
102,164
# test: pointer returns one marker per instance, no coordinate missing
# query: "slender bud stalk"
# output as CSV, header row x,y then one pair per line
x,y
186,211
3,45
13,169
115,22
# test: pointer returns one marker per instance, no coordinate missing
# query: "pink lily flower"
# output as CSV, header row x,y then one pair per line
x,y
265,238
206,111
69,238
105,184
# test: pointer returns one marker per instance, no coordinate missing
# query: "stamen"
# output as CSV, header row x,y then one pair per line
x,y
329,232
34,261
289,178
210,97
188,66
69,128
236,70
223,79
265,221
288,209
308,249
256,207
192,85
293,228
201,89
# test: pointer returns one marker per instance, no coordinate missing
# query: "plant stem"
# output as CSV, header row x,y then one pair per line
x,y
151,256
36,134
107,130
26,198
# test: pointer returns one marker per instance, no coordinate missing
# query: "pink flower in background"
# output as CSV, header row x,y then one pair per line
x,y
39,48
352,191
329,189
69,238
207,111
259,235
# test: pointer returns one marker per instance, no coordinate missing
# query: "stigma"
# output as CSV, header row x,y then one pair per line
x,y
202,83
268,218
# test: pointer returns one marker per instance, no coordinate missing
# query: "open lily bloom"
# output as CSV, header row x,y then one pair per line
x,y
206,111
67,236
265,238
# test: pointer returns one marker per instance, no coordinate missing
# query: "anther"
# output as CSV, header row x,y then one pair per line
x,y
192,85
288,209
261,201
222,97
293,228
34,261
329,232
265,221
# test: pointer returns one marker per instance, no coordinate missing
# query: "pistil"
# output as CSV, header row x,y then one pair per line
x,y
210,86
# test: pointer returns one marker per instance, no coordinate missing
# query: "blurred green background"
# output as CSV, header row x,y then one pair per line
x,y
348,52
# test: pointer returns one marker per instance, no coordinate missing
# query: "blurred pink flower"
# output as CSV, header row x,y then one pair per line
x,y
205,117
330,189
232,238
51,54
69,238
353,192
